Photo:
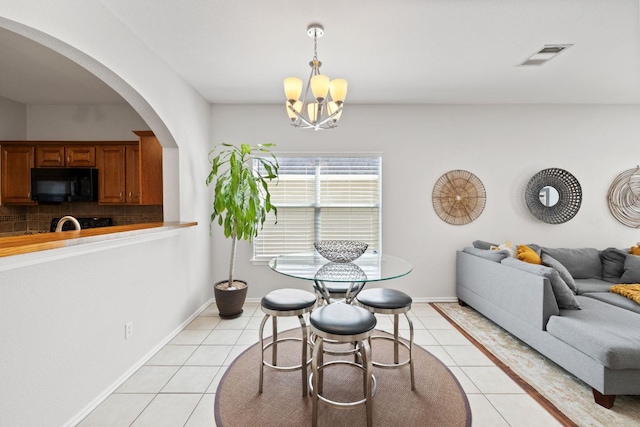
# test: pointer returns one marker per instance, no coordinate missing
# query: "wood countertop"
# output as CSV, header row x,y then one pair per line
x,y
27,243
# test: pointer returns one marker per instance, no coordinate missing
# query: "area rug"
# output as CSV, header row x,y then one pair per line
x,y
438,399
552,386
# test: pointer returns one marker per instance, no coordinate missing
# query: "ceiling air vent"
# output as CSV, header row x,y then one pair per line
x,y
545,54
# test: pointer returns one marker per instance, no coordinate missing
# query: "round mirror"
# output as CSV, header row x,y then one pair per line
x,y
553,196
549,196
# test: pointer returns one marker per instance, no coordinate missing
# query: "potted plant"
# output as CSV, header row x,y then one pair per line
x,y
241,202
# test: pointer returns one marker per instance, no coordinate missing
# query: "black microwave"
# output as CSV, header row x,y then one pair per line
x,y
55,185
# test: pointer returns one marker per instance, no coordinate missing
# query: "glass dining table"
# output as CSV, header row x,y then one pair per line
x,y
346,279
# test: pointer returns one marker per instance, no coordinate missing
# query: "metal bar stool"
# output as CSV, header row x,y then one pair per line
x,y
286,303
390,301
343,323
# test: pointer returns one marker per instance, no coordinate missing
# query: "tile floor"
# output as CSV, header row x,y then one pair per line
x,y
177,386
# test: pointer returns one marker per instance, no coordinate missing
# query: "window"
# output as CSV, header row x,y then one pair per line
x,y
322,198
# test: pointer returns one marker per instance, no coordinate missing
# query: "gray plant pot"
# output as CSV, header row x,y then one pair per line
x,y
230,302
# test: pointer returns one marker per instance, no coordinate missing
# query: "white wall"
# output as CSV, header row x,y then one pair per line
x,y
503,145
97,122
63,319
13,120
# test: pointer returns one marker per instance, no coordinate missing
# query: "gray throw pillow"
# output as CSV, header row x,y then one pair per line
x,y
496,256
550,261
564,295
481,244
582,263
613,264
631,269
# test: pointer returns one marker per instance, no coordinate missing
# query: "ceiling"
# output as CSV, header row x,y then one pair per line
x,y
391,52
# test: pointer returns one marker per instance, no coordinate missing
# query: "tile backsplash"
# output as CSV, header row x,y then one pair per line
x,y
15,218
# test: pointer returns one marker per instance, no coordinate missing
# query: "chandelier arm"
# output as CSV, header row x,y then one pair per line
x,y
299,116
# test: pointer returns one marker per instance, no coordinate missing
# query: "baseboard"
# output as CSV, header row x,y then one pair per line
x,y
124,377
436,299
423,299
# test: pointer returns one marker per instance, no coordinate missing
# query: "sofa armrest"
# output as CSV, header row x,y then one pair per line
x,y
524,295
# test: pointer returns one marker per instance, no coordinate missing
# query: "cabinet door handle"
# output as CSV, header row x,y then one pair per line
x,y
130,195
59,159
121,195
69,159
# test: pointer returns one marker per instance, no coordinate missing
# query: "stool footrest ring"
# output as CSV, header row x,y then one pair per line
x,y
374,385
283,368
391,365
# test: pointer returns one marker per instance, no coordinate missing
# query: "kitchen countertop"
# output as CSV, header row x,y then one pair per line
x,y
27,243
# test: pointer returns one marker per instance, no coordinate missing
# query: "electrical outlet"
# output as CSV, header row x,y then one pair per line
x,y
128,330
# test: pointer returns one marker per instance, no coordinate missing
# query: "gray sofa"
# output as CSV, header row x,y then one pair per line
x,y
590,332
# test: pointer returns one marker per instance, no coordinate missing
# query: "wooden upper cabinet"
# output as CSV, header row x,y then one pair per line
x,y
50,156
132,175
76,156
16,165
110,160
80,156
150,168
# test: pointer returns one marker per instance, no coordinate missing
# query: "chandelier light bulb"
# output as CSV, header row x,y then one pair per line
x,y
312,110
338,90
320,87
292,88
297,107
334,108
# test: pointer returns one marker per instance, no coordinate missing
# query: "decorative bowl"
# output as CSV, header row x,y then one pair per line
x,y
341,250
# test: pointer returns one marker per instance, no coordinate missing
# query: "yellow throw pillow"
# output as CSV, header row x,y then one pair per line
x,y
526,254
635,250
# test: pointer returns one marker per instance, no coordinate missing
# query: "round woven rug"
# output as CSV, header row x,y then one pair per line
x,y
438,399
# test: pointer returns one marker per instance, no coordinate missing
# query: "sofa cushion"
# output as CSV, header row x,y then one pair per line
x,y
602,331
481,244
631,269
582,263
496,256
585,286
612,260
564,296
615,299
550,261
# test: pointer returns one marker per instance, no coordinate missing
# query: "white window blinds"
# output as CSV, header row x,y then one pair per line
x,y
322,198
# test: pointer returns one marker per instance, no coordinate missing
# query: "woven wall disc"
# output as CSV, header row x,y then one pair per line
x,y
569,195
624,198
458,197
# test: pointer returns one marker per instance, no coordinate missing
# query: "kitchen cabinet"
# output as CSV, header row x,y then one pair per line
x,y
150,168
130,173
80,156
16,164
110,160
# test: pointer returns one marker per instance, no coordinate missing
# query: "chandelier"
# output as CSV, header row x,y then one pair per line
x,y
321,106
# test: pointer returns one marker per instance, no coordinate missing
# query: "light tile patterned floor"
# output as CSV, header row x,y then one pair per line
x,y
176,387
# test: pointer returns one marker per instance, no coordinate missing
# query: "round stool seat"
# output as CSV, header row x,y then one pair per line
x,y
384,298
288,300
342,319
337,288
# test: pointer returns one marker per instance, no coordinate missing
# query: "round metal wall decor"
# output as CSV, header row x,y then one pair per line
x,y
624,198
458,197
567,196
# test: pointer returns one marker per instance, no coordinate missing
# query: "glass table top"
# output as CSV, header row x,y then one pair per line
x,y
370,267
